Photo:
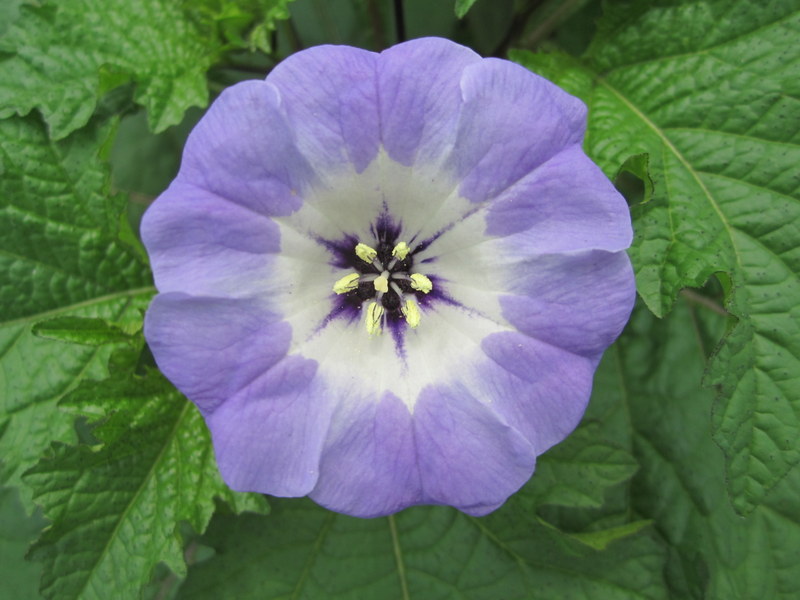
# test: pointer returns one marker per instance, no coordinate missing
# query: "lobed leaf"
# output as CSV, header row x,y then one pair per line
x,y
713,552
60,258
61,62
116,509
717,111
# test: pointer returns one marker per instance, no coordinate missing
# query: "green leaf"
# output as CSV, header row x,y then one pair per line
x,y
61,62
143,164
462,7
598,509
59,257
638,166
9,12
80,330
580,470
716,109
714,553
303,551
116,509
242,24
599,540
20,578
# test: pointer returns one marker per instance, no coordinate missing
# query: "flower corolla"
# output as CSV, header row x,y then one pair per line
x,y
387,279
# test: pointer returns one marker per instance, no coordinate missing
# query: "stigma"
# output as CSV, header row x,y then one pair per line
x,y
384,285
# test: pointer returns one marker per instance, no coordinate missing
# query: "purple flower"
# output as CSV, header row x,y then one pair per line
x,y
387,279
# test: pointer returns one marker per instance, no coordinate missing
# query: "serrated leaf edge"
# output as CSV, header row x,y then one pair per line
x,y
180,566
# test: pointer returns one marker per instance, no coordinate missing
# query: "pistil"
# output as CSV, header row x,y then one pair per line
x,y
381,282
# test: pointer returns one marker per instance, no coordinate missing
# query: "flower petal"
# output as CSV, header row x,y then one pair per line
x,y
369,464
577,302
202,244
512,121
567,204
329,94
213,348
269,437
420,99
244,150
468,457
540,388
452,450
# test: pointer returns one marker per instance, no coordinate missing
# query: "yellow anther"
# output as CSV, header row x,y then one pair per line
x,y
411,313
421,283
348,283
374,314
401,251
381,284
366,253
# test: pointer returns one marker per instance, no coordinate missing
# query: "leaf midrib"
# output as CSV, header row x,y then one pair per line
x,y
667,143
120,295
134,499
398,558
312,555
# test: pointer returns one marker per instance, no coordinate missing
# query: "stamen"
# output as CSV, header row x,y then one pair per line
x,y
374,314
382,283
366,253
348,283
411,312
392,296
421,283
401,251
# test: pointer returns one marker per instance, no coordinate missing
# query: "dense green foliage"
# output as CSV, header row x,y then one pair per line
x,y
714,112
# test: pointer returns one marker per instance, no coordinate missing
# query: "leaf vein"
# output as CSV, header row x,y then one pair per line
x,y
705,50
134,499
312,555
